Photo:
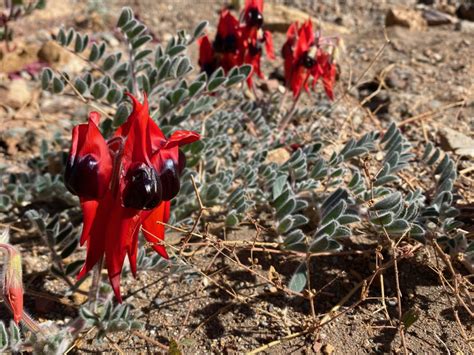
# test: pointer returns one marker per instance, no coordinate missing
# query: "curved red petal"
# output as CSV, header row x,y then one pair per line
x,y
180,138
269,44
155,232
228,24
206,51
89,211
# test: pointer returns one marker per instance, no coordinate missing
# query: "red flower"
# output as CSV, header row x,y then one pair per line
x,y
12,282
224,51
254,38
121,183
304,58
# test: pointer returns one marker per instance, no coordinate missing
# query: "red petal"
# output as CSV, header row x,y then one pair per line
x,y
206,52
269,44
89,210
90,177
249,4
180,138
305,39
14,296
228,24
155,232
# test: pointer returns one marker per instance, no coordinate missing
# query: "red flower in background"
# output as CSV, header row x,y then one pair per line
x,y
224,51
123,183
236,44
254,38
304,58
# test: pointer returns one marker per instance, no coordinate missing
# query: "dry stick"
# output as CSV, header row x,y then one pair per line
x,y
231,292
393,248
276,342
432,113
198,218
446,284
78,94
371,64
150,340
450,267
4,225
328,317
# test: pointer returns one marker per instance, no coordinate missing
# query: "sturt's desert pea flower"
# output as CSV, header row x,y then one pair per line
x,y
254,38
305,59
224,50
237,43
123,183
12,279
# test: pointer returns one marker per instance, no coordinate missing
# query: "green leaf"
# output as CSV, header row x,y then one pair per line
x,y
355,152
199,30
121,115
109,62
3,337
383,219
287,208
178,96
235,80
62,37
319,244
299,279
388,202
15,336
114,96
196,87
94,54
215,83
125,16
245,70
142,54
73,268
80,85
98,90
231,220
58,85
410,317
175,50
141,41
398,226
389,133
335,212
78,46
285,225
278,185
46,77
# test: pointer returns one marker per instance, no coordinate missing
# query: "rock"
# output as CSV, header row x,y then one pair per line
x,y
279,17
457,142
327,349
17,94
401,16
16,60
50,52
279,156
465,27
466,12
270,85
437,18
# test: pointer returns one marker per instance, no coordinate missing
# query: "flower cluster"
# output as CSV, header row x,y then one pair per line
x,y
237,43
124,183
305,58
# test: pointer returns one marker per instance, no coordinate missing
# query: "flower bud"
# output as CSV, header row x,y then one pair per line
x,y
13,282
